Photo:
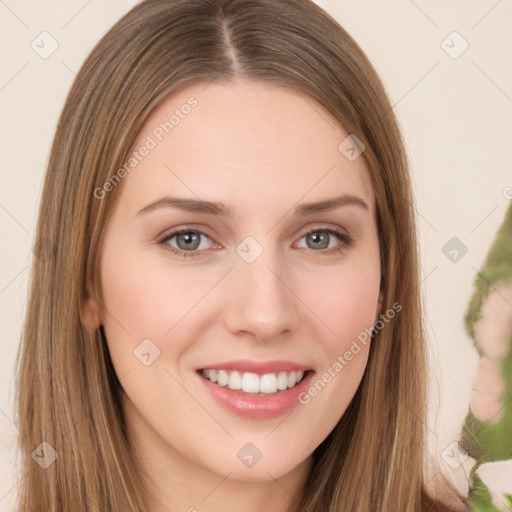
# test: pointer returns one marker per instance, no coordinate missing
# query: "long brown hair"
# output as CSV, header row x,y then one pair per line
x,y
68,394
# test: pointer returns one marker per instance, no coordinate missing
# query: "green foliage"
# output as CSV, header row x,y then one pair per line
x,y
497,267
480,499
490,441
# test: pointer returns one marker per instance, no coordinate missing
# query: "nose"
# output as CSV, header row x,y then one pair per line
x,y
261,303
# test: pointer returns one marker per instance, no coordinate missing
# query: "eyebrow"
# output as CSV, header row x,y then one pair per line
x,y
221,210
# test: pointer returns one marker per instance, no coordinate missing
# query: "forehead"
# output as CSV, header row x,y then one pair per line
x,y
244,141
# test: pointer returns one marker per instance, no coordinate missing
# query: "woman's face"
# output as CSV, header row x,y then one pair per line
x,y
244,292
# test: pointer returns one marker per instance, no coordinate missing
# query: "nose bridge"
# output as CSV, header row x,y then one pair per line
x,y
260,302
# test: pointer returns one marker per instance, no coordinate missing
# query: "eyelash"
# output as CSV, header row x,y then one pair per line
x,y
342,237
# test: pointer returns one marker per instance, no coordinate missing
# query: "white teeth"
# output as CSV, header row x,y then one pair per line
x,y
222,378
268,383
250,383
235,381
253,383
282,381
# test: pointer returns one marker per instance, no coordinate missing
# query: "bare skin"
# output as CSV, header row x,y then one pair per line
x,y
261,150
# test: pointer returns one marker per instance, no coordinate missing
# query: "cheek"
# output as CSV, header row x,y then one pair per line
x,y
346,303
146,299
347,307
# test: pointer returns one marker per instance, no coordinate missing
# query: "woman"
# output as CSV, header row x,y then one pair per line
x,y
280,363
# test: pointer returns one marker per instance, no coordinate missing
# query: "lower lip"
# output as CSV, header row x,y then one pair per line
x,y
258,407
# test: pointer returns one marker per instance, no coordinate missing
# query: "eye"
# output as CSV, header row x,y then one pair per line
x,y
188,242
320,239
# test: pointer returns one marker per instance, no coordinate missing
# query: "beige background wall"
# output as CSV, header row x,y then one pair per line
x,y
456,115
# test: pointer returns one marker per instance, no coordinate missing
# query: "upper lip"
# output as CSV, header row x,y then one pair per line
x,y
259,367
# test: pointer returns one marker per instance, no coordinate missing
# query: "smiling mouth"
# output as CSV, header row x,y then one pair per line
x,y
250,383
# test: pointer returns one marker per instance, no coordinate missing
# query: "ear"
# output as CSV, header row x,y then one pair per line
x,y
91,314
